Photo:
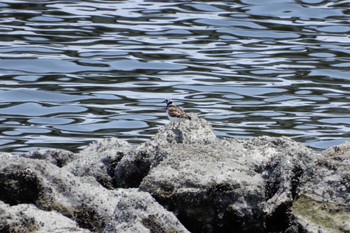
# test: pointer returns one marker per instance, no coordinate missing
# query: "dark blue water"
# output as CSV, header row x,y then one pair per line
x,y
75,71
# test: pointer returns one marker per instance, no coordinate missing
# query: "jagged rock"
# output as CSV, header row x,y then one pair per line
x,y
282,173
200,183
58,157
324,202
138,212
196,130
130,171
15,221
28,218
99,160
38,182
217,185
228,184
9,156
132,168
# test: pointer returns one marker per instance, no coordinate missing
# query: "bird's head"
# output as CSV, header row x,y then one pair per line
x,y
168,102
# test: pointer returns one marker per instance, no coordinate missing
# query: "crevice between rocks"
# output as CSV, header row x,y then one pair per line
x,y
151,223
130,175
281,218
19,187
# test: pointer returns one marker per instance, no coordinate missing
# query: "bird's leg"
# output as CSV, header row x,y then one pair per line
x,y
178,124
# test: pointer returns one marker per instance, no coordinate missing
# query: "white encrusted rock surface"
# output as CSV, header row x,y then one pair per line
x,y
99,160
324,202
29,218
138,212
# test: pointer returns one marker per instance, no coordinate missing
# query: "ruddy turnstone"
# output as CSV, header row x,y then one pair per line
x,y
174,112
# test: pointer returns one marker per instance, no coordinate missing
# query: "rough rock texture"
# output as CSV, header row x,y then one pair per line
x,y
216,185
57,157
324,202
196,130
131,169
38,182
247,185
28,218
12,220
99,160
184,179
138,212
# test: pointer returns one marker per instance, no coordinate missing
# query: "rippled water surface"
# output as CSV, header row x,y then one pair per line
x,y
74,71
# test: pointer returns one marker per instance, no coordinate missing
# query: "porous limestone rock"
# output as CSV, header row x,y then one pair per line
x,y
217,185
324,202
50,188
99,160
132,168
55,156
138,212
25,218
196,130
246,185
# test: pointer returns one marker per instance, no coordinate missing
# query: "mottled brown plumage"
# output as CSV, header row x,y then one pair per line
x,y
175,113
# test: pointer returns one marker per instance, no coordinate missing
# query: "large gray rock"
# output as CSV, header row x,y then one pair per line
x,y
217,185
193,131
50,188
28,218
283,173
132,168
246,185
324,202
42,197
138,212
15,221
99,160
57,157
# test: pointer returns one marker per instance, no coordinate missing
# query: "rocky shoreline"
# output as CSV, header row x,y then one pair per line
x,y
183,180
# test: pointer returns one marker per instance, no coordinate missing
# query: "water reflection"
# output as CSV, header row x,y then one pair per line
x,y
72,72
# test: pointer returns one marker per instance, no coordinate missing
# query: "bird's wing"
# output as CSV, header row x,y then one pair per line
x,y
175,111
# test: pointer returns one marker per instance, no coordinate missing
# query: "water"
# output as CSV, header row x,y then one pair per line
x,y
74,71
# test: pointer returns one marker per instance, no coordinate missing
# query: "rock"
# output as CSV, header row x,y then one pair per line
x,y
130,171
133,168
228,184
15,221
217,185
324,202
138,212
99,160
58,157
283,173
28,218
201,183
196,130
50,188
9,156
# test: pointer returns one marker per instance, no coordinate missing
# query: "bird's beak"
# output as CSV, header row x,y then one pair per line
x,y
164,101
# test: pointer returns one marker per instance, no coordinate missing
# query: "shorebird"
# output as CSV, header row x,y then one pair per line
x,y
175,113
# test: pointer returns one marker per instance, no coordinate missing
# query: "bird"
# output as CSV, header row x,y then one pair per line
x,y
175,113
